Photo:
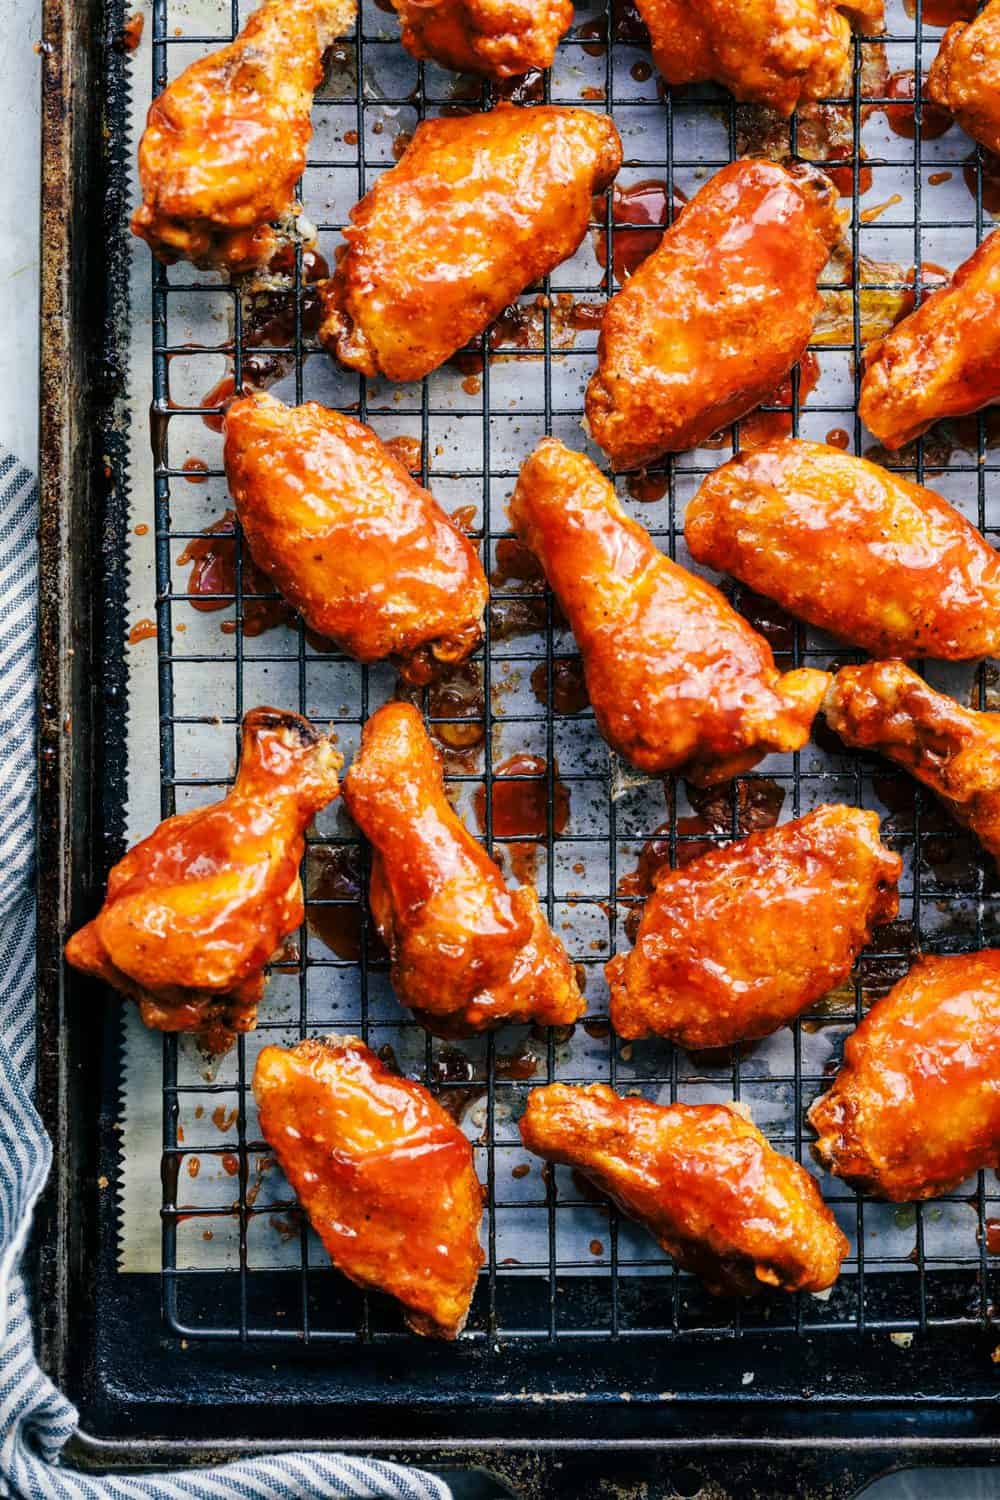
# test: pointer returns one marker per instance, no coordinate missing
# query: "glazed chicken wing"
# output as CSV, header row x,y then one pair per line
x,y
678,680
775,52
941,361
738,942
383,1172
703,1181
225,143
479,207
498,38
837,541
965,75
466,953
715,318
883,706
365,554
915,1109
195,911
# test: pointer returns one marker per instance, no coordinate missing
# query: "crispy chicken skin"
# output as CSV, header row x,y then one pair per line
x,y
965,75
195,911
479,207
883,706
365,555
941,361
467,954
737,943
498,38
915,1109
703,1181
775,52
225,143
678,680
383,1172
879,562
715,318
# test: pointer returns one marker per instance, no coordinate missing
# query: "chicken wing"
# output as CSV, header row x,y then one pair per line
x,y
737,943
883,706
467,954
498,38
195,911
941,361
764,51
677,679
703,1181
717,315
479,207
225,143
365,554
915,1109
383,1172
879,562
965,76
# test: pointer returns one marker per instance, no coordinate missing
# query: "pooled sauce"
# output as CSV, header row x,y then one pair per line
x,y
458,696
596,34
142,630
647,488
993,1236
900,117
221,392
515,561
942,12
213,556
520,808
569,688
644,206
333,873
654,856
838,438
826,133
195,470
529,88
627,25
132,32
513,617
991,181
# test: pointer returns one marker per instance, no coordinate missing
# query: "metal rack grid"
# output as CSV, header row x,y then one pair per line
x,y
566,1288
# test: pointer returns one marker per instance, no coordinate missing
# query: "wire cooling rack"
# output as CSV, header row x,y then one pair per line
x,y
524,760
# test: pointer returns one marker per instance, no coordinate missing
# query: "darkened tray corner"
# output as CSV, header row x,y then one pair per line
x,y
821,1416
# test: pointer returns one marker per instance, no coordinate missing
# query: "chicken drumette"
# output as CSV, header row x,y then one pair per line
x,y
383,1172
941,361
678,680
915,1109
366,555
498,38
837,541
703,1181
225,143
479,207
738,942
467,954
965,76
715,318
883,706
195,911
775,52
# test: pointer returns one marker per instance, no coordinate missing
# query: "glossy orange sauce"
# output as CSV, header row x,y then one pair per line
x,y
643,205
142,630
762,427
520,807
899,117
195,470
991,181
213,556
942,12
647,488
407,451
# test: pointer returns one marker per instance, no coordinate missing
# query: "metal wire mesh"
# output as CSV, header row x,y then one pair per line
x,y
578,1269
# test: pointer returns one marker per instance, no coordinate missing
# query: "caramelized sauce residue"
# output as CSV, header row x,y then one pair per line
x,y
407,451
569,687
900,118
520,807
459,696
644,206
333,873
627,25
132,32
647,488
213,556
993,1236
514,561
942,12
991,181
529,88
762,427
596,34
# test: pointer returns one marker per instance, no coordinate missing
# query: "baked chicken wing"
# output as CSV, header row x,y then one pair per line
x,y
225,143
365,554
941,361
781,53
195,911
703,1181
738,942
498,38
678,680
383,1172
479,207
467,954
837,541
915,1109
883,706
715,318
965,76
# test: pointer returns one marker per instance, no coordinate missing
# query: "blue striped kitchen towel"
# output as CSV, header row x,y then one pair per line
x,y
36,1420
